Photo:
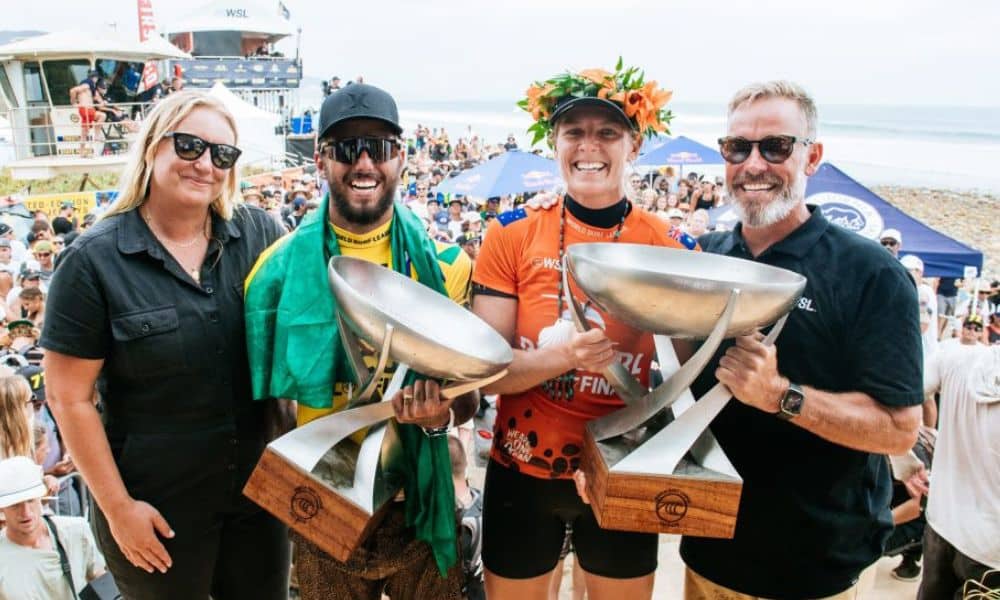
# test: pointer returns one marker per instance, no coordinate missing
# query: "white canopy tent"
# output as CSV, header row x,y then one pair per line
x,y
256,128
108,44
247,16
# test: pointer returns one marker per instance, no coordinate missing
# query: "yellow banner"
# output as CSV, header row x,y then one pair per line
x,y
84,202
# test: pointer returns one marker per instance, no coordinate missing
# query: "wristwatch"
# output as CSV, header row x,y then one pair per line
x,y
790,405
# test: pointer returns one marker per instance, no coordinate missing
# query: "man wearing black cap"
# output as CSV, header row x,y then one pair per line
x,y
361,156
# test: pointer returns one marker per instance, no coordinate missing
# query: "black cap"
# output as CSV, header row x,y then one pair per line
x,y
31,275
359,101
568,103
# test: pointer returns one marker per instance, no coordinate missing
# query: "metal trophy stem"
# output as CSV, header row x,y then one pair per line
x,y
676,479
330,490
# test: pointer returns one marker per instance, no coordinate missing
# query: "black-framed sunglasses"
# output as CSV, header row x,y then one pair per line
x,y
973,326
348,150
191,147
890,243
774,148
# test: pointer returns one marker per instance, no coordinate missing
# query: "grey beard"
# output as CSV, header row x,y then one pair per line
x,y
362,216
757,216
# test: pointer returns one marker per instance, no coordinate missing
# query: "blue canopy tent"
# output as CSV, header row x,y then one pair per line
x,y
652,143
851,205
512,172
680,151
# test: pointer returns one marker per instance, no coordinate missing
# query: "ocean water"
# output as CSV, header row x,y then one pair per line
x,y
941,147
938,147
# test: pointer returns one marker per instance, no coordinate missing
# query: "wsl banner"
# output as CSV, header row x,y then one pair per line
x,y
241,73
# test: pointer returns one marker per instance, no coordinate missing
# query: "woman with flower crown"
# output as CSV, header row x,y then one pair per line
x,y
594,120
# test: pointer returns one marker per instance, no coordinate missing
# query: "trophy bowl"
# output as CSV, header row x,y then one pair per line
x,y
432,334
680,293
319,479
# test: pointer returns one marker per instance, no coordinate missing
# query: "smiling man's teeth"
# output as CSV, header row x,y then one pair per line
x,y
590,166
363,185
757,188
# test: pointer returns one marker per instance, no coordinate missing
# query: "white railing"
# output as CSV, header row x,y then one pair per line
x,y
59,131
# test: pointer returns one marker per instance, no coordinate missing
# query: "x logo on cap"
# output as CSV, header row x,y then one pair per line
x,y
357,99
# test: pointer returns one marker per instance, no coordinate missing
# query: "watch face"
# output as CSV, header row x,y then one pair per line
x,y
791,404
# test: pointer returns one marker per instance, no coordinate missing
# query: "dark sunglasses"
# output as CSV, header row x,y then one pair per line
x,y
774,148
974,326
43,254
889,243
349,150
191,147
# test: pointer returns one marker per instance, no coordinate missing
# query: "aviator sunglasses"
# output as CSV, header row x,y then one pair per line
x,y
191,147
348,150
774,148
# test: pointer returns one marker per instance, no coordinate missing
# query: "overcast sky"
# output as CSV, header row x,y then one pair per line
x,y
844,52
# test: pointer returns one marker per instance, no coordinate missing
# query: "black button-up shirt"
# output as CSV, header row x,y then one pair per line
x,y
813,513
175,382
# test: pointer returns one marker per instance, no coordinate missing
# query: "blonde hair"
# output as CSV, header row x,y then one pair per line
x,y
16,436
134,187
779,89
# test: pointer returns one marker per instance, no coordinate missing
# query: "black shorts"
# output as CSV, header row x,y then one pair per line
x,y
524,526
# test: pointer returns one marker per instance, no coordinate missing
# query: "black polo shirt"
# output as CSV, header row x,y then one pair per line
x,y
175,383
813,514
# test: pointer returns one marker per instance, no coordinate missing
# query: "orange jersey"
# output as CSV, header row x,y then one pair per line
x,y
534,433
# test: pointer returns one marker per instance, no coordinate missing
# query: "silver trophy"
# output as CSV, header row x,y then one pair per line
x,y
321,481
643,475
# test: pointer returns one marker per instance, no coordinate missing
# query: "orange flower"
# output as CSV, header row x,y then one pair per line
x,y
598,76
657,98
538,103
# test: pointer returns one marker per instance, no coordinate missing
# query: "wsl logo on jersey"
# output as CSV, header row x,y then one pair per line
x,y
850,213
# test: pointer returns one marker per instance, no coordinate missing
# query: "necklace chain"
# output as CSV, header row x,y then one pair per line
x,y
195,273
561,386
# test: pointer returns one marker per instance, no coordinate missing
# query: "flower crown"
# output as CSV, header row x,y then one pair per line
x,y
641,101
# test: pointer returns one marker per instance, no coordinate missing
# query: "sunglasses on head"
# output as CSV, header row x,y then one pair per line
x,y
191,147
774,148
349,150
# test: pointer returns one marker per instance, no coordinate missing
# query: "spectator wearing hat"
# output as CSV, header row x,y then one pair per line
x,y
978,303
470,243
19,252
675,217
926,297
252,196
455,216
299,209
492,205
32,546
44,254
892,241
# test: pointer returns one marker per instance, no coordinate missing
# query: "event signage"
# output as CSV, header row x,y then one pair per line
x,y
241,72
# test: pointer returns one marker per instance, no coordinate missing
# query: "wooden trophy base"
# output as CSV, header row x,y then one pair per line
x,y
336,506
692,500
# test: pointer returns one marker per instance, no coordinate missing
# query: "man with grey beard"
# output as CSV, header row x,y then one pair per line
x,y
841,387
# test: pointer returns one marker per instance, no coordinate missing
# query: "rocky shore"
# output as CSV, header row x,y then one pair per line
x,y
969,217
